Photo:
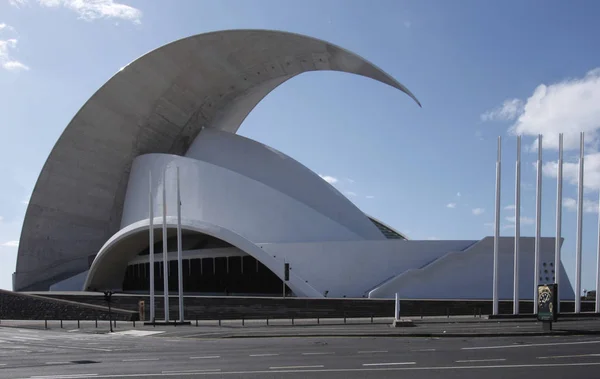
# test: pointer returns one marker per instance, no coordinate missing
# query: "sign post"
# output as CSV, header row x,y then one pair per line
x,y
547,304
286,275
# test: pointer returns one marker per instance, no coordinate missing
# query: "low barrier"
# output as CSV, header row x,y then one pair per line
x,y
237,308
22,306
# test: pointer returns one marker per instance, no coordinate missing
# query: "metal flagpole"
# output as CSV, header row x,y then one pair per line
x,y
559,183
579,229
165,255
497,228
538,226
517,228
598,263
179,252
151,249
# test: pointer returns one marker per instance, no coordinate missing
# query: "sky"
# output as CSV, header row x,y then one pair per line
x,y
481,70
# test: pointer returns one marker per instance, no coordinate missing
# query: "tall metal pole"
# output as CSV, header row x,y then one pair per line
x,y
517,228
579,229
165,255
538,227
179,251
151,249
497,228
559,183
598,263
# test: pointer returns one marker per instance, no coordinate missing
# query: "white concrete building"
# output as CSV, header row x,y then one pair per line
x,y
246,208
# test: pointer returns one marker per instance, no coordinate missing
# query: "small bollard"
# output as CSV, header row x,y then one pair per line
x,y
45,324
96,322
448,312
318,321
267,321
219,322
242,321
61,323
134,323
77,324
344,318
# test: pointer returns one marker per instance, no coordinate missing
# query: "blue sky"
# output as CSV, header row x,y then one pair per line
x,y
481,69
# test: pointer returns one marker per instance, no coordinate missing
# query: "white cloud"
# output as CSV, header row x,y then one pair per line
x,y
478,211
370,197
329,179
9,28
11,244
509,110
568,107
26,202
90,10
17,3
591,171
350,193
6,47
509,207
432,238
458,194
524,220
589,206
350,180
451,205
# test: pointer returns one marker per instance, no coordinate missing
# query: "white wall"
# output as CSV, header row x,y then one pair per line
x,y
413,269
227,199
352,268
282,173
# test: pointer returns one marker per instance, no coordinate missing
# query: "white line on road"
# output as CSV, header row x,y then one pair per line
x,y
480,360
372,351
569,356
424,350
264,355
140,359
294,367
208,370
389,364
207,357
57,363
64,376
2,364
83,348
529,345
319,353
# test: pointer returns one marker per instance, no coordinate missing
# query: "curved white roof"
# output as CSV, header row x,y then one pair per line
x,y
156,104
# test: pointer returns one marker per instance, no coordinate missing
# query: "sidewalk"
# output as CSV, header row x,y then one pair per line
x,y
381,327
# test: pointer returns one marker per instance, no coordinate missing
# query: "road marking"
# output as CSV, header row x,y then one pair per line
x,y
57,363
2,364
529,345
424,350
569,356
65,376
264,355
82,348
294,367
189,371
28,338
480,360
389,364
207,357
140,359
320,353
372,351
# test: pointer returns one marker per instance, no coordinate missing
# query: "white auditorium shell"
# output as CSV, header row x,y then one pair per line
x,y
180,106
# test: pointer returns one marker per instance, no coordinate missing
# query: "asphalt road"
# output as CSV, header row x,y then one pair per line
x,y
40,354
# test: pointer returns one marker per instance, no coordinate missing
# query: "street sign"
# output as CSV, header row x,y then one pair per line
x,y
547,302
